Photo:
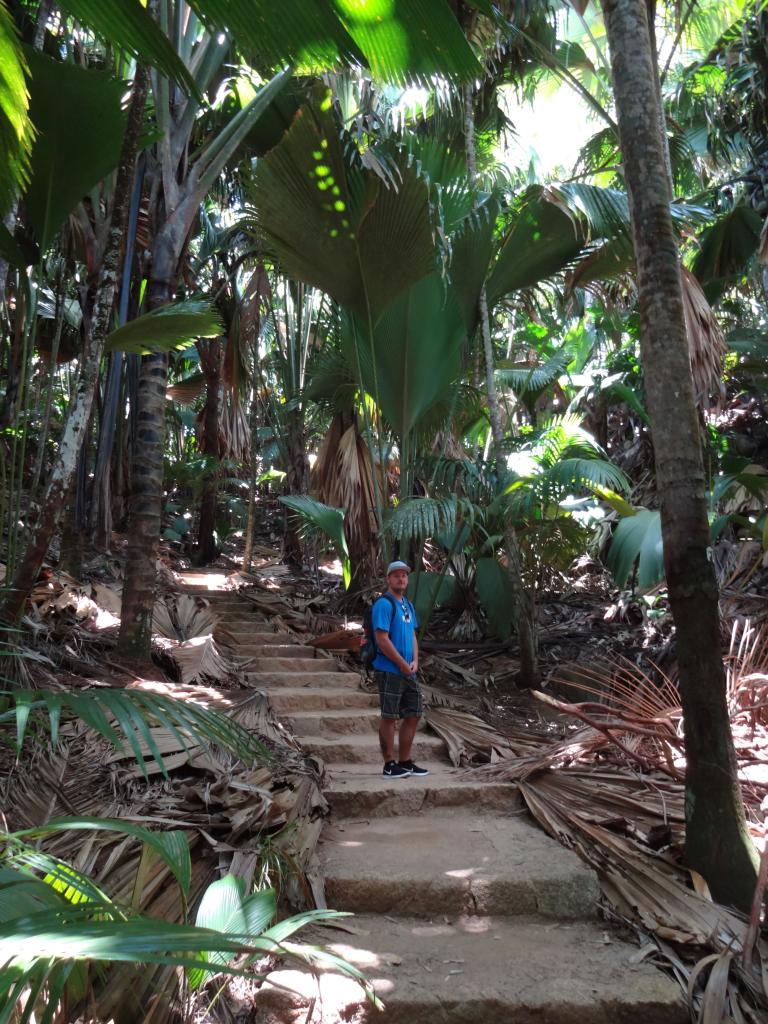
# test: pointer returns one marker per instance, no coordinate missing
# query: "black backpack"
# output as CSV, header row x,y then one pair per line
x,y
369,650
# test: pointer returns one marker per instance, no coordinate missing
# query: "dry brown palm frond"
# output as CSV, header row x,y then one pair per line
x,y
186,391
199,659
470,740
182,617
234,432
342,478
706,344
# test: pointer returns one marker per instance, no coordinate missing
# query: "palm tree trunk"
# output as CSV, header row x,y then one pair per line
x,y
145,506
717,841
206,541
80,409
523,611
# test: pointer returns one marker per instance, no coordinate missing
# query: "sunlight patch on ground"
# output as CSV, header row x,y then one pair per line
x,y
205,581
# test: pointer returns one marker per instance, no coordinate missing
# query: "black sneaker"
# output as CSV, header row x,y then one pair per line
x,y
393,770
412,769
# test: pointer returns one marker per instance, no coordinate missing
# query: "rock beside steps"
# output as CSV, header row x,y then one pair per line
x,y
465,912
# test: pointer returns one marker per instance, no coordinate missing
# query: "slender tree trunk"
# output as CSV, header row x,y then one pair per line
x,y
523,611
100,513
296,480
717,841
206,541
80,409
146,501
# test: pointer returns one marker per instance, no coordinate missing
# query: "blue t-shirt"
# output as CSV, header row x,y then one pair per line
x,y
400,623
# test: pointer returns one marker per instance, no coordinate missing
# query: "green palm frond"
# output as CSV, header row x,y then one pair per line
x,y
637,541
126,718
80,124
175,326
172,847
401,41
560,436
579,474
319,519
418,518
16,131
128,25
524,378
334,223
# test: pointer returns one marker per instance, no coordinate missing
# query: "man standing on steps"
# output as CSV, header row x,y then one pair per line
x,y
396,664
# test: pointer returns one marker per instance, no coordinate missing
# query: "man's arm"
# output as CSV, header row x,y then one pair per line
x,y
414,666
389,650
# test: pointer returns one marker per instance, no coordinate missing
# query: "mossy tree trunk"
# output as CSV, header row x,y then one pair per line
x,y
717,841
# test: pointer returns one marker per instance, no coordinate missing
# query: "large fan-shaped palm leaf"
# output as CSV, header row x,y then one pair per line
x,y
337,225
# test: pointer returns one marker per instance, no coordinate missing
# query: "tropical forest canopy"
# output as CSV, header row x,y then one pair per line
x,y
382,274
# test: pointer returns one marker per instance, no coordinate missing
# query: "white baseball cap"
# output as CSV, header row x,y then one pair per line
x,y
394,566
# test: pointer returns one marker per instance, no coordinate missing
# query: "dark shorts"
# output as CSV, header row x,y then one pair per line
x,y
398,697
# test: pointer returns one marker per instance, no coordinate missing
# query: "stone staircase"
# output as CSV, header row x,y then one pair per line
x,y
465,911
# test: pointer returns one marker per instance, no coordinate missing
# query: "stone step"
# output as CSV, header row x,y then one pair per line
x,y
462,864
335,722
266,680
290,665
364,749
239,620
277,650
479,970
306,698
360,791
256,636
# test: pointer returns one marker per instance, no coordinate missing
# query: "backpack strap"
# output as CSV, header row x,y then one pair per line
x,y
392,601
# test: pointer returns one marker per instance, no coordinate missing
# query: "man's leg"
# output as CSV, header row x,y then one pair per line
x,y
405,740
387,738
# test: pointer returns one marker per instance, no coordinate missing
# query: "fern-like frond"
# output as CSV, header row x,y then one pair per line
x,y
419,518
126,718
524,378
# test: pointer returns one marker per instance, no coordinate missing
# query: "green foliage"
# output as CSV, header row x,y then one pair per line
x,y
317,518
337,225
125,718
427,590
400,40
228,909
637,540
15,124
415,354
496,595
419,518
172,846
725,249
542,240
175,326
79,123
127,24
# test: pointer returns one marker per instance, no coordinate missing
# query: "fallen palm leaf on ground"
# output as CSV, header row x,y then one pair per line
x,y
612,790
262,817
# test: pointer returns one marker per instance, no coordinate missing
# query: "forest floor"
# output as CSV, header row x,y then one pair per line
x,y
493,887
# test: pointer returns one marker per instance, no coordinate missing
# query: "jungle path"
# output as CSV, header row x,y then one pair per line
x,y
465,911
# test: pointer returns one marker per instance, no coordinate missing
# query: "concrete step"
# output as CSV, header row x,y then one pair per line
x,y
364,749
438,864
305,698
290,665
258,633
266,680
335,722
277,650
474,970
360,791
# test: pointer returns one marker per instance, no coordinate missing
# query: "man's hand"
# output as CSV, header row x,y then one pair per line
x,y
413,668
